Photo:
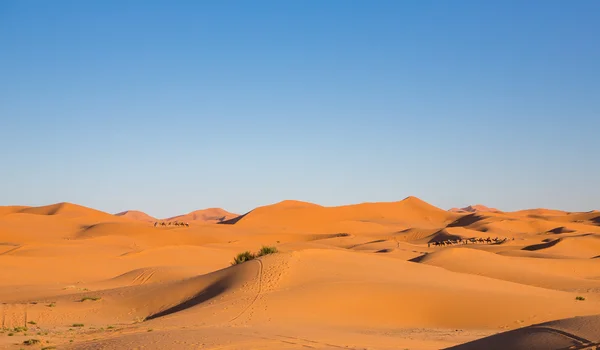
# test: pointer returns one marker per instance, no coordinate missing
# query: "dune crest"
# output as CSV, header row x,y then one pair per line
x,y
136,215
474,208
210,215
341,277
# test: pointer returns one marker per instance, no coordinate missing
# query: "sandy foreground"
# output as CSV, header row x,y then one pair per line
x,y
365,276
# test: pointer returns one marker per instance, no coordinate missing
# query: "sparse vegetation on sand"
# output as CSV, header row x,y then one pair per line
x,y
90,298
20,329
243,257
579,298
32,322
77,325
31,341
266,250
247,255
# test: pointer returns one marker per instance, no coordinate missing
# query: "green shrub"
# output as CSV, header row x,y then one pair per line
x,y
77,325
243,257
265,250
579,298
32,322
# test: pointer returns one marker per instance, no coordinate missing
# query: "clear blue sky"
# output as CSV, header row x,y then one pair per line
x,y
172,106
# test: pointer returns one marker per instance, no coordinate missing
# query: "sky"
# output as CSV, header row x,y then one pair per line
x,y
172,106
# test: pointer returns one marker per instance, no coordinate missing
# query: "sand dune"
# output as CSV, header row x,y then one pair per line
x,y
572,333
211,215
356,276
584,246
136,215
366,217
473,209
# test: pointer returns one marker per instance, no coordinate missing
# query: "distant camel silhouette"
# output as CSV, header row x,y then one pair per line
x,y
174,223
487,240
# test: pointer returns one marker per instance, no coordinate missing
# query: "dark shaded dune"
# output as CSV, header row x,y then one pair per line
x,y
210,292
419,258
574,333
234,220
543,245
443,235
561,229
466,220
596,220
384,251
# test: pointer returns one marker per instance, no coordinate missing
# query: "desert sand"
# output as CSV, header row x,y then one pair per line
x,y
363,276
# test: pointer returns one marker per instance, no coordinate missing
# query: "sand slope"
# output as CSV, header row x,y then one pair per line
x,y
211,215
137,215
353,277
571,333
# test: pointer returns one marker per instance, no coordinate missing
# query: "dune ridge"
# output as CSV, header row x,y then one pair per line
x,y
351,276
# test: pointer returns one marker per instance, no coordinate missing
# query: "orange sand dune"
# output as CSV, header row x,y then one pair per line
x,y
547,273
353,277
572,333
67,210
10,209
211,215
473,209
378,217
584,246
136,215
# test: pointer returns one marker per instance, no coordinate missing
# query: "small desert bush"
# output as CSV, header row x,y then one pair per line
x,y
32,322
247,255
77,325
49,348
90,298
20,329
31,341
243,257
579,298
51,305
265,250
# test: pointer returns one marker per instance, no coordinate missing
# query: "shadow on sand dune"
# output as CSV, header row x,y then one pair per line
x,y
577,333
542,245
208,293
466,220
561,229
234,220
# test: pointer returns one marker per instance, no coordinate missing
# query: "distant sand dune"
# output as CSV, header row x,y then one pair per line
x,y
356,276
136,215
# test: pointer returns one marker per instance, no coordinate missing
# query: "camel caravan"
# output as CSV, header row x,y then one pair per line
x,y
467,241
174,223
